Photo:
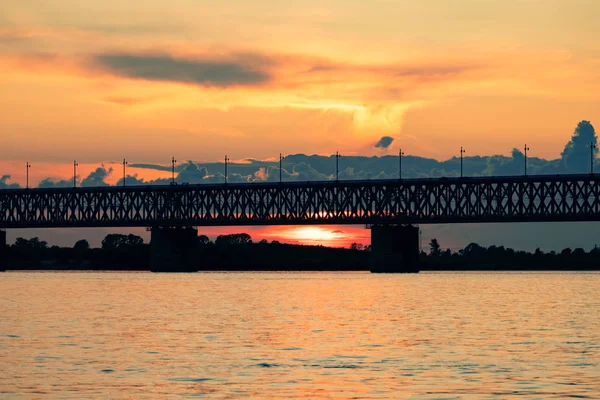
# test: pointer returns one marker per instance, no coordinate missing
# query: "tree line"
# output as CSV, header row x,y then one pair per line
x,y
476,257
238,252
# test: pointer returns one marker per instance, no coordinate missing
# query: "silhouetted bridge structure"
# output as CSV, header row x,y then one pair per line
x,y
544,198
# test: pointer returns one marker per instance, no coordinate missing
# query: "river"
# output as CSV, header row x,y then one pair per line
x,y
132,335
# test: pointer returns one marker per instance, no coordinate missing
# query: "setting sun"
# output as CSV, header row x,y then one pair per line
x,y
315,235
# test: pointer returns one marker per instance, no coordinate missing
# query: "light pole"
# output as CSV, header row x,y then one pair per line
x,y
173,161
462,151
28,166
226,159
75,165
592,148
400,154
280,167
75,173
337,164
525,148
124,164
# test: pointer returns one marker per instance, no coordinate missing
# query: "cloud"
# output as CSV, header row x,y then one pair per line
x,y
97,177
577,152
321,168
243,70
94,179
192,173
4,184
305,172
52,183
384,142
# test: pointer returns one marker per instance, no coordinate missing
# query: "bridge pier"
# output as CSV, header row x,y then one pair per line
x,y
174,249
3,251
394,248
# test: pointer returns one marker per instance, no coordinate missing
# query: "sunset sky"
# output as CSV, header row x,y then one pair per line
x,y
99,81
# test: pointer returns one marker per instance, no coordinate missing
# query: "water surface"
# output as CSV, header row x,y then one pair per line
x,y
299,335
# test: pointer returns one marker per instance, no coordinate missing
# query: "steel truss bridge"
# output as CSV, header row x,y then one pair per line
x,y
418,201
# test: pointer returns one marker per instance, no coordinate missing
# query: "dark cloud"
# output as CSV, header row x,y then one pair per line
x,y
305,172
4,184
133,180
192,173
94,179
577,152
52,183
302,167
243,70
97,177
384,142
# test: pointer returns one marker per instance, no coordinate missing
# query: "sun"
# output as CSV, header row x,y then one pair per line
x,y
313,235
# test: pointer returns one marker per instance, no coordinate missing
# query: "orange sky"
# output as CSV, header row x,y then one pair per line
x,y
99,81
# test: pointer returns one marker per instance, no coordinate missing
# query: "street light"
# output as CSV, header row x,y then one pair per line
x,y
124,164
173,161
337,169
400,154
525,148
28,166
280,166
592,148
75,173
462,151
226,159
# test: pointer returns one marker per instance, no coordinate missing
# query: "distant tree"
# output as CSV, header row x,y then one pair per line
x,y
264,241
566,252
81,245
203,240
112,241
275,242
475,250
134,240
116,241
233,239
31,244
434,245
357,246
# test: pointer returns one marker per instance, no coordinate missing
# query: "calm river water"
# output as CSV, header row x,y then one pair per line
x,y
299,335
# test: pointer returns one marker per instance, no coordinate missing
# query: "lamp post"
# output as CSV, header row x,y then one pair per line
x,y
280,167
75,164
525,148
400,154
337,164
226,160
173,161
592,148
124,164
27,183
462,151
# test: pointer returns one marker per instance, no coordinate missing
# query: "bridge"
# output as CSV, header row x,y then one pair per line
x,y
381,203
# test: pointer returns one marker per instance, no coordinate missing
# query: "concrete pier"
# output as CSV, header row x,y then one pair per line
x,y
2,251
174,249
394,249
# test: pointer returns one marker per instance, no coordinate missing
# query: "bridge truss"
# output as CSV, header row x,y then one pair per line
x,y
417,201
